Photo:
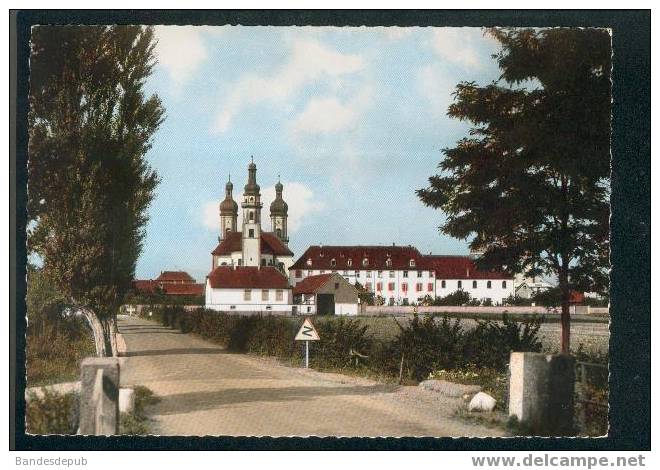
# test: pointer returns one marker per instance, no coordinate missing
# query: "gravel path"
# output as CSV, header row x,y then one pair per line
x,y
206,391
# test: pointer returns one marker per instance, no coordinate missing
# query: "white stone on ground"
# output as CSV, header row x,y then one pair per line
x,y
126,400
482,402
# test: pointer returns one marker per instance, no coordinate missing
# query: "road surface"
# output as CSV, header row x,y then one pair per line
x,y
206,391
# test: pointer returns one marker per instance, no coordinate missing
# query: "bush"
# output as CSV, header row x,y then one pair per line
x,y
51,413
489,344
344,340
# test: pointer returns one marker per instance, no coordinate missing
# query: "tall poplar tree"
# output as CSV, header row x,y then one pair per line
x,y
89,184
529,185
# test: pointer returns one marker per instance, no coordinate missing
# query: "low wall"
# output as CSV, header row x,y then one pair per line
x,y
498,310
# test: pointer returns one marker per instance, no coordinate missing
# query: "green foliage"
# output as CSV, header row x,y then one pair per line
x,y
55,346
90,126
138,298
137,422
344,341
490,343
531,180
52,413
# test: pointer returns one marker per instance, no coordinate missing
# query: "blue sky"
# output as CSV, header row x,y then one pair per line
x,y
353,119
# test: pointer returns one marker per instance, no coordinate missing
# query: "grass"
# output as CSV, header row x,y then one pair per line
x,y
53,413
55,358
492,382
137,422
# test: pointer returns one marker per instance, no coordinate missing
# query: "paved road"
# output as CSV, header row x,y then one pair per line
x,y
207,391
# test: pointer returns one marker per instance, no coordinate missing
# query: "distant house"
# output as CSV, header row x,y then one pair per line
x,y
328,294
528,288
247,289
178,283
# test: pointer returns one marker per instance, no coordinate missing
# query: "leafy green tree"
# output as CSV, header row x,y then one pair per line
x,y
529,185
89,184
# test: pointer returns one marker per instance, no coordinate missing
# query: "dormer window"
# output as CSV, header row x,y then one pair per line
x,y
309,261
412,263
388,262
333,262
349,262
365,262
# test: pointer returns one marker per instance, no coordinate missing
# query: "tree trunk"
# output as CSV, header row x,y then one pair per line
x,y
97,330
113,335
565,313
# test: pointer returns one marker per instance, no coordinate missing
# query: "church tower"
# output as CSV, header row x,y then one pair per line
x,y
252,219
279,214
228,212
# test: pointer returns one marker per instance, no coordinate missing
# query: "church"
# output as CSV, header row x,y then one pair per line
x,y
249,265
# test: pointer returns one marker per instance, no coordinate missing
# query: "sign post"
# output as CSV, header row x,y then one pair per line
x,y
307,333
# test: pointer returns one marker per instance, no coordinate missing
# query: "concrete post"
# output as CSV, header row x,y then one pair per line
x,y
99,396
541,389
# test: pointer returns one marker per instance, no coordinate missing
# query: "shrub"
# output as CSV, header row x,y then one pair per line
x,y
489,344
343,340
52,413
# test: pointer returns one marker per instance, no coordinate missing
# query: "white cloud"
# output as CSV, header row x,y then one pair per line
x,y
395,33
181,50
309,61
327,115
301,200
434,85
458,46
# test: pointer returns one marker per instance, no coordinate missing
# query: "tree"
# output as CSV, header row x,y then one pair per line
x,y
89,184
530,184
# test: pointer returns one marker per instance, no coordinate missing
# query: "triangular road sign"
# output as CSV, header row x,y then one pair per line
x,y
307,332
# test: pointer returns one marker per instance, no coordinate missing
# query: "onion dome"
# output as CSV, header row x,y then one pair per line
x,y
228,206
252,187
278,206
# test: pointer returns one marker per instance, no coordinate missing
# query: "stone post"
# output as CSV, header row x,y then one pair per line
x,y
541,392
99,396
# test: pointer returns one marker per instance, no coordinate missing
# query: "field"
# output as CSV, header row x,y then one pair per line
x,y
593,336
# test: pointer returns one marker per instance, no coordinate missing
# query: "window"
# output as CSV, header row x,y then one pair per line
x,y
503,284
251,233
333,262
419,287
357,273
336,286
379,286
240,261
279,233
412,263
390,287
388,263
368,273
460,284
474,284
431,273
232,307
405,274
430,287
420,274
443,284
391,274
345,273
247,294
349,262
263,261
310,272
264,294
251,216
279,294
298,273
380,274
404,287
322,271
365,262
488,285
368,286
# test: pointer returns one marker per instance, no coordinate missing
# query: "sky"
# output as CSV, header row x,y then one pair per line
x,y
352,120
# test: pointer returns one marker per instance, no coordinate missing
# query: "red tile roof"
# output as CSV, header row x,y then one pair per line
x,y
311,284
270,244
145,286
184,289
247,277
460,267
174,276
322,258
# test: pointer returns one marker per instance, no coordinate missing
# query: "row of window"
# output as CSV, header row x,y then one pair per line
x,y
367,274
391,286
265,294
489,284
365,262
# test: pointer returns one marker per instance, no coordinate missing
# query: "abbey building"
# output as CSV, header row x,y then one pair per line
x,y
249,265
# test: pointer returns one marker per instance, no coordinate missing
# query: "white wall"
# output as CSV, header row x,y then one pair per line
x,y
346,309
496,293
233,299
